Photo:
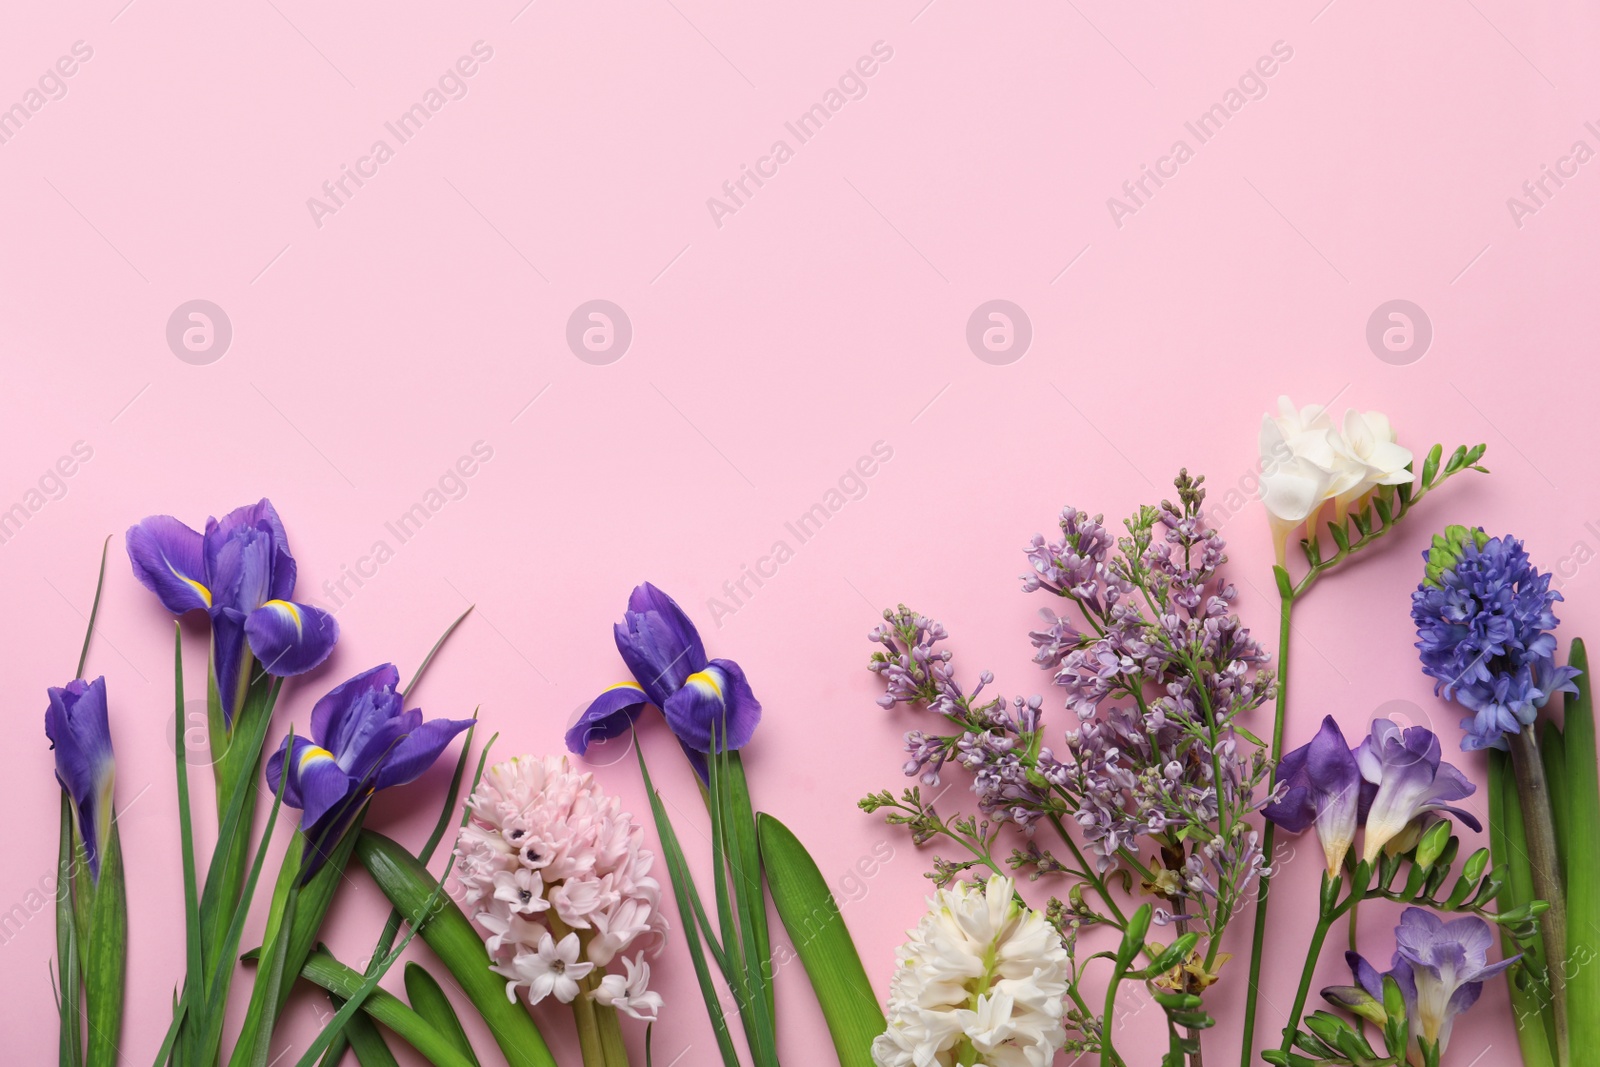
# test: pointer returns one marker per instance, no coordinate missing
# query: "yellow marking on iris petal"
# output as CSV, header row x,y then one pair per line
x,y
314,753
626,685
290,609
205,594
706,679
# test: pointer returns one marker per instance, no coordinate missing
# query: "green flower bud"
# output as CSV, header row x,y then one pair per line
x,y
1447,549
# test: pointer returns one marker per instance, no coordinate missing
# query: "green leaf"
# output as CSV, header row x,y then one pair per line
x,y
216,999
365,1041
1582,859
735,830
71,1020
428,1000
408,885
742,819
391,929
255,1043
1553,754
822,941
195,969
688,908
1530,998
323,970
105,981
221,895
1248,736
333,1032
416,679
94,610
169,1043
292,923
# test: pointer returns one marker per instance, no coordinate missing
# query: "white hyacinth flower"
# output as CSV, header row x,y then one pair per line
x,y
982,979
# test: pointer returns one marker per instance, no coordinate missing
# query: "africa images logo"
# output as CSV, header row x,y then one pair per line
x,y
1252,85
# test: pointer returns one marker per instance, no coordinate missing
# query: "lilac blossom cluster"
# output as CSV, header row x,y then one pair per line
x,y
1157,670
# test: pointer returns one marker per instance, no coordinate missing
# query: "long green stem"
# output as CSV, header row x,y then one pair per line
x,y
1257,942
1545,860
1324,923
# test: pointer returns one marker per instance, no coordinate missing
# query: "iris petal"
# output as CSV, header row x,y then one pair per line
x,y
274,772
167,560
239,566
417,751
77,724
290,638
336,719
228,652
258,516
658,643
717,696
322,783
610,714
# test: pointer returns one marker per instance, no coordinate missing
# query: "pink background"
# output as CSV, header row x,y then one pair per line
x,y
769,353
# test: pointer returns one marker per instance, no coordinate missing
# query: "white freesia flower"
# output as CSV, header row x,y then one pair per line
x,y
981,979
1368,443
1309,461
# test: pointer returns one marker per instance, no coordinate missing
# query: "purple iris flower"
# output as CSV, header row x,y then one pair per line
x,y
1405,779
1484,614
78,728
670,670
1324,788
361,741
240,573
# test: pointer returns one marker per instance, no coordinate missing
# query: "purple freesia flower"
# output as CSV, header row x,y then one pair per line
x,y
361,741
1324,788
1405,779
1439,966
670,670
1483,616
240,573
79,730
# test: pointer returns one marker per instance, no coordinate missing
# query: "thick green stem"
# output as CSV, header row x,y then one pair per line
x,y
589,1042
1533,790
611,1036
1257,942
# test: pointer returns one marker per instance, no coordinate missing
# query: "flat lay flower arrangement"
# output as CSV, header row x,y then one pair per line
x,y
1111,834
